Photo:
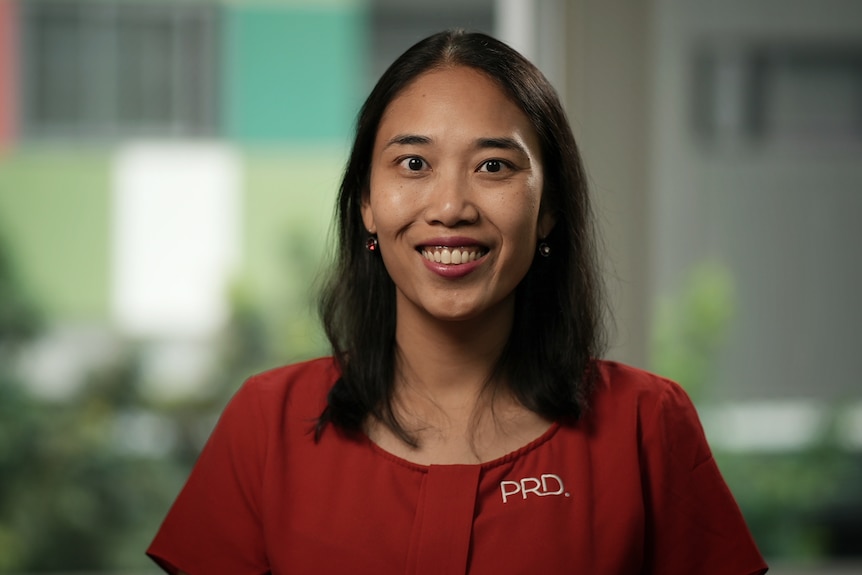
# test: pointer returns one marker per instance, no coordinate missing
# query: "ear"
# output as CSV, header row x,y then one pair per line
x,y
546,223
368,213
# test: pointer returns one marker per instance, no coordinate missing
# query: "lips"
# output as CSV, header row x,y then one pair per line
x,y
452,255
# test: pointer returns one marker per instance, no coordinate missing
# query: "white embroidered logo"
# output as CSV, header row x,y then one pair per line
x,y
546,484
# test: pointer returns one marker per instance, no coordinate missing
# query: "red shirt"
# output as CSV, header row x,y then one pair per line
x,y
630,489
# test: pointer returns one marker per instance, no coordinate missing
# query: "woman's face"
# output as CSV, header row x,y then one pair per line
x,y
455,190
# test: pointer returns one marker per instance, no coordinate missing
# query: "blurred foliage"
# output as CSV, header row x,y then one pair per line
x,y
70,495
85,482
691,327
800,505
19,320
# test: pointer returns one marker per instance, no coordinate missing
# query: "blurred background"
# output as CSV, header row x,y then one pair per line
x,y
167,176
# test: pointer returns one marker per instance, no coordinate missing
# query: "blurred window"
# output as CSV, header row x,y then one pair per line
x,y
813,92
99,69
398,24
780,93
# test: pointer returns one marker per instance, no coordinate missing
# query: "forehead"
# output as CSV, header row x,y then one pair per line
x,y
459,95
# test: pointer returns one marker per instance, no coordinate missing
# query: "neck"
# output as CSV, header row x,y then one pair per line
x,y
449,362
443,371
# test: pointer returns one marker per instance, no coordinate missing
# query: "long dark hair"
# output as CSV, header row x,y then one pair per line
x,y
559,305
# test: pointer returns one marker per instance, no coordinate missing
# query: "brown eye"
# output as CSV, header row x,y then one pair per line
x,y
415,164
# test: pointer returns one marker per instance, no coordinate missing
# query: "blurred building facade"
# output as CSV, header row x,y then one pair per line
x,y
723,143
157,155
160,161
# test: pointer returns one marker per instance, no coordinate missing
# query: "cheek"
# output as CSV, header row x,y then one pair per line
x,y
537,185
524,213
387,212
393,205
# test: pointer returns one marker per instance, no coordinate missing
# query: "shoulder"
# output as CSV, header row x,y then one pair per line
x,y
619,383
299,387
215,523
268,404
655,409
306,376
692,522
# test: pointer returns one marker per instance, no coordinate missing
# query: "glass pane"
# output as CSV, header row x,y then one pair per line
x,y
57,82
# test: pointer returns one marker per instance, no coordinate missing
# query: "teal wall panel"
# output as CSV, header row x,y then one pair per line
x,y
292,73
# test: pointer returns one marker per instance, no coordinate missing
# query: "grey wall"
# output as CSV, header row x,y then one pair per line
x,y
756,143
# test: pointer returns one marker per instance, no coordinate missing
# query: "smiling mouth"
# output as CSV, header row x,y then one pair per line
x,y
452,256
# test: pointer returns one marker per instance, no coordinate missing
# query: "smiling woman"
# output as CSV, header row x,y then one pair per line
x,y
465,423
454,199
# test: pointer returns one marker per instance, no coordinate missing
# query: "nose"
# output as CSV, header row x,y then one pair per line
x,y
450,202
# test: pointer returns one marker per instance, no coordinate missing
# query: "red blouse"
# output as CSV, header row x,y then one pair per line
x,y
632,488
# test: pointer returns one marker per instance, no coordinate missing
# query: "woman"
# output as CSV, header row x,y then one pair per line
x,y
463,424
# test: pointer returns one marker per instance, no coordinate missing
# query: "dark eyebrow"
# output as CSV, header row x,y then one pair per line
x,y
481,143
408,140
501,144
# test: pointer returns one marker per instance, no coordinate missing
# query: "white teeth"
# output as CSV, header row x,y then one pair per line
x,y
454,256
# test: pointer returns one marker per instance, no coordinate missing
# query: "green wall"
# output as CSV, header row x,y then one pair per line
x,y
289,201
292,80
54,216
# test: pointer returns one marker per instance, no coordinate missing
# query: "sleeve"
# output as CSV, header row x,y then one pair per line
x,y
693,524
214,526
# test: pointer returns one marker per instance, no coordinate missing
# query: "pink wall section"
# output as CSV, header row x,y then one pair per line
x,y
8,72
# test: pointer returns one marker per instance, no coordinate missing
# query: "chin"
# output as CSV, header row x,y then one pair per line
x,y
459,313
453,315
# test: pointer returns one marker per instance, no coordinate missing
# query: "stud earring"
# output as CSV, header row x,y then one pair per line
x,y
371,244
544,249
